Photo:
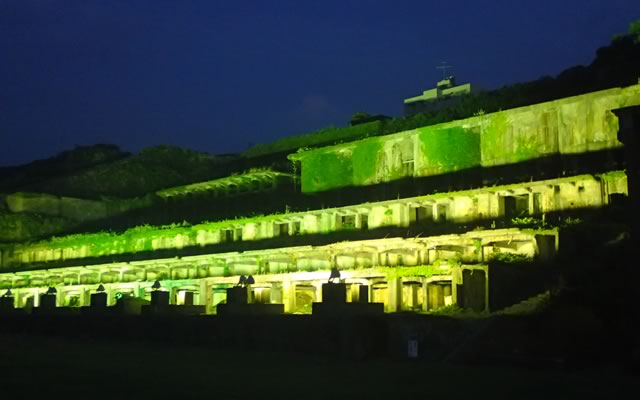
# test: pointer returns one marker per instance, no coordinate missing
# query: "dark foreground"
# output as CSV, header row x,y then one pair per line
x,y
53,367
288,357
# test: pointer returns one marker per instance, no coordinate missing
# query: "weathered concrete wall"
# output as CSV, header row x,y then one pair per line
x,y
568,126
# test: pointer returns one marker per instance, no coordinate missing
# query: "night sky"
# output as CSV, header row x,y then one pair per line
x,y
217,76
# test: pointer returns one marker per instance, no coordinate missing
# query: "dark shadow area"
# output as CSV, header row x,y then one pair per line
x,y
513,282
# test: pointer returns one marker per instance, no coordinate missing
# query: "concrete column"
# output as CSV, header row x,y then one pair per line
x,y
289,296
455,273
60,295
85,298
355,293
276,295
486,290
530,201
395,294
425,296
204,296
412,298
111,295
139,291
318,286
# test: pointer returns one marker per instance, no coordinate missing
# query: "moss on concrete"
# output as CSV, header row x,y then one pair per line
x,y
337,171
449,149
366,158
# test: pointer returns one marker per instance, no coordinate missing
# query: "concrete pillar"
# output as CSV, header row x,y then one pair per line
x,y
17,299
60,295
455,274
276,296
251,294
289,296
84,297
486,289
355,293
318,287
425,296
204,296
395,294
139,291
111,295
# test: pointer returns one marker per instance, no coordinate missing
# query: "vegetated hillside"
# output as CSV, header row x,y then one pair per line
x,y
13,179
152,169
105,171
95,172
17,227
616,65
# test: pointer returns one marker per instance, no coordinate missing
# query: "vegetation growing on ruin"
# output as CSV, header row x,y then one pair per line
x,y
366,157
510,258
422,271
492,138
322,137
449,149
337,171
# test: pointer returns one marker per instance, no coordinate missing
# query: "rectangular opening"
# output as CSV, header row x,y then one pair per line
x,y
618,199
226,235
442,210
238,234
295,228
516,206
282,229
348,221
364,221
408,167
420,214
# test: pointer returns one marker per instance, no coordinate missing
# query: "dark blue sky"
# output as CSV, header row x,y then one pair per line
x,y
215,76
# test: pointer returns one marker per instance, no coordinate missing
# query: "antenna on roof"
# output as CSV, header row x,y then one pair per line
x,y
444,67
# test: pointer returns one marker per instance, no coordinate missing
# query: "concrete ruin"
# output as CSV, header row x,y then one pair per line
x,y
418,253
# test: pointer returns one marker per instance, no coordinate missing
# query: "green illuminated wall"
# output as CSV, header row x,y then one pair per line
x,y
446,150
568,126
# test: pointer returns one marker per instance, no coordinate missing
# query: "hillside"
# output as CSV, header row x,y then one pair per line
x,y
123,176
73,161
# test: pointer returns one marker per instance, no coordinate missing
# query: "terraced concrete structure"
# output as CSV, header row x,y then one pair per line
x,y
422,248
